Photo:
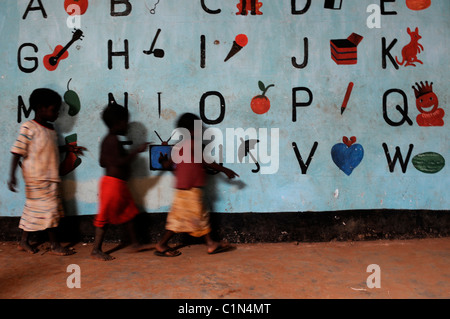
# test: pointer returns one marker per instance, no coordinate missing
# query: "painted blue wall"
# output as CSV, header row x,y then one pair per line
x,y
273,39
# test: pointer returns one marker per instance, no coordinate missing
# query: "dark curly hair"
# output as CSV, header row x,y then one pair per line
x,y
44,97
187,121
114,113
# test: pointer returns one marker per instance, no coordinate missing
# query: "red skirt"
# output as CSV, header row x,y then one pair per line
x,y
116,203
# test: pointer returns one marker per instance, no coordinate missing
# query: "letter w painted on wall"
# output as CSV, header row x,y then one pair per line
x,y
397,155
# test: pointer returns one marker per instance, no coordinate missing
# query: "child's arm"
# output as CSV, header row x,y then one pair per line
x,y
12,182
165,161
111,155
78,150
230,173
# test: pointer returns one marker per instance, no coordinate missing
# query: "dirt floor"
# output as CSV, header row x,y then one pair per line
x,y
416,268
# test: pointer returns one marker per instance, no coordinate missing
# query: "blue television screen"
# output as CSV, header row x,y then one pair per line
x,y
155,153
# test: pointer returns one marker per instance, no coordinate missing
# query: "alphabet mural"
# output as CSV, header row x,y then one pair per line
x,y
340,75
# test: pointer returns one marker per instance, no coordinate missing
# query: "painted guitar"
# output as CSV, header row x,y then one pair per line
x,y
51,60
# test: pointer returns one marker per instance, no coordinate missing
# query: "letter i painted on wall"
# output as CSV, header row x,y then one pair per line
x,y
202,51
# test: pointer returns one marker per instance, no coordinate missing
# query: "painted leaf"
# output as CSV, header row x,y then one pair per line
x,y
261,86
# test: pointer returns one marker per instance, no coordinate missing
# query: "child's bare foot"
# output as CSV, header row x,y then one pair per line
x,y
100,255
24,246
61,251
136,248
216,248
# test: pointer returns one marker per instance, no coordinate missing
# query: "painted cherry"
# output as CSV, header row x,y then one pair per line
x,y
260,104
83,4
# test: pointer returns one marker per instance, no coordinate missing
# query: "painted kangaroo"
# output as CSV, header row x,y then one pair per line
x,y
410,51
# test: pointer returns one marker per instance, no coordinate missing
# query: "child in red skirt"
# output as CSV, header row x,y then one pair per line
x,y
116,205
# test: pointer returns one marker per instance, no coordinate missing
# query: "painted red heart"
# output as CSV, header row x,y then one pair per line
x,y
349,142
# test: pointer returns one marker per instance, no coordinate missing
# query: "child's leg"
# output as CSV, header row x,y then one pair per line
x,y
25,245
97,249
162,249
55,246
132,233
135,245
211,243
215,247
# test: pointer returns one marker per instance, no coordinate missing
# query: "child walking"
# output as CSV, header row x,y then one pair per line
x,y
188,213
116,205
36,151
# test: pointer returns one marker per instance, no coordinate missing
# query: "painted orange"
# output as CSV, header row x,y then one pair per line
x,y
418,4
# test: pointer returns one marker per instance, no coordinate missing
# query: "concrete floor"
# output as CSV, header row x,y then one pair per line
x,y
416,268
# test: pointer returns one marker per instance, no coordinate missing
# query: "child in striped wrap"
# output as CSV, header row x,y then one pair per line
x,y
36,152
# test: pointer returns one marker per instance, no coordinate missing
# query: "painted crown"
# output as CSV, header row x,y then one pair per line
x,y
423,89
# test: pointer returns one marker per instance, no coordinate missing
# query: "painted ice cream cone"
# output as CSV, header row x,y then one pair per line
x,y
240,41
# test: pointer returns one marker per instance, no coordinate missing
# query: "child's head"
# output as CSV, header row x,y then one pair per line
x,y
115,117
46,104
187,121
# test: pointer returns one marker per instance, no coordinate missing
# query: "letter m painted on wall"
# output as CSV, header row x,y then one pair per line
x,y
21,107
